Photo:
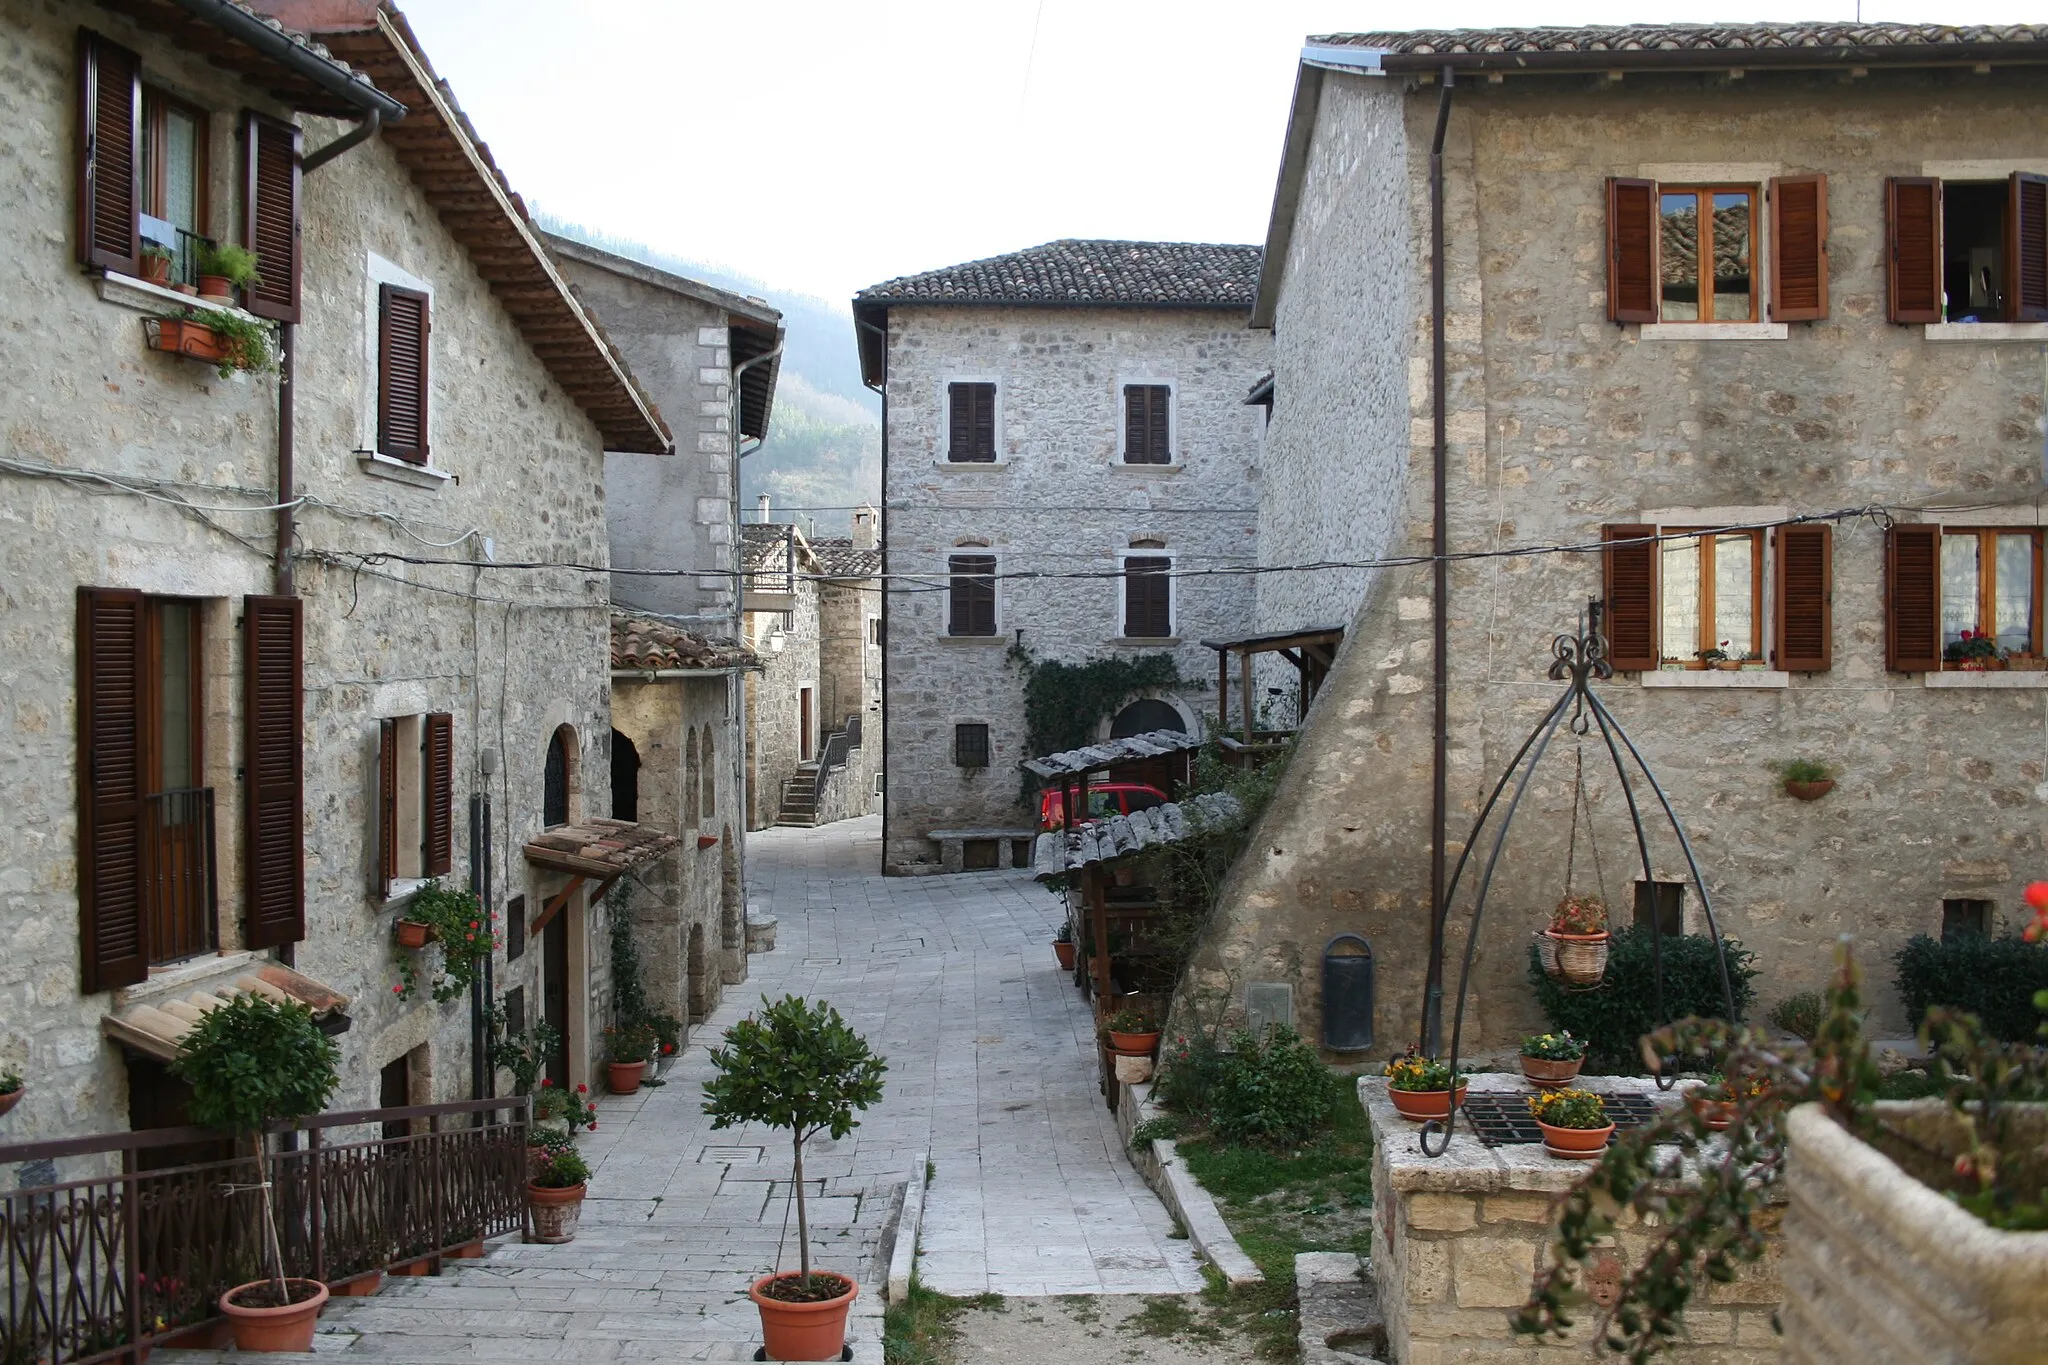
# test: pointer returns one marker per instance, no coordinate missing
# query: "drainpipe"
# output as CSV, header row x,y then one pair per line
x,y
1439,545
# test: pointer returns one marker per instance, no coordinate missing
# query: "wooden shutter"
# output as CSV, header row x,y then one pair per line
x,y
1146,410
1147,597
273,769
1805,599
437,844
112,781
109,166
971,423
973,596
387,807
403,326
2026,240
1631,250
1799,248
1912,616
270,222
1912,224
1631,596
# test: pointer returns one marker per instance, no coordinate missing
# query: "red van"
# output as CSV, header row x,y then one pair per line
x,y
1104,800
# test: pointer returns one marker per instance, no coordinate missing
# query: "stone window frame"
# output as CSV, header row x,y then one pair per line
x,y
945,422
1984,168
377,272
1173,431
1756,177
1696,517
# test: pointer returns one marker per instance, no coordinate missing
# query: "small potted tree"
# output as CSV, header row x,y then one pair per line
x,y
11,1088
1574,1123
796,1066
1575,945
1552,1059
1421,1088
252,1062
1063,948
627,1047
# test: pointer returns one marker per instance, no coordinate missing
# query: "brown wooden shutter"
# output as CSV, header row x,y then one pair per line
x,y
1799,248
437,847
973,596
274,769
959,421
109,168
1912,582
1805,599
1631,250
2027,247
387,806
985,422
403,327
1631,595
112,781
1147,597
270,223
1912,224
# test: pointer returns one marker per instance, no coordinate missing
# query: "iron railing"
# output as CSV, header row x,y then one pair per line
x,y
178,877
185,259
96,1268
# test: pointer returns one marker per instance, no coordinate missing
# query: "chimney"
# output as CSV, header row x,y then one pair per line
x,y
762,504
864,528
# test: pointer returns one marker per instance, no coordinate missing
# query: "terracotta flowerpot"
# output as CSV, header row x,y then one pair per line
x,y
1546,1071
1717,1113
289,1328
803,1331
707,841
11,1098
1134,1043
184,337
1581,958
156,269
1810,791
555,1212
1575,1144
1416,1106
1064,950
624,1077
1729,665
1695,665
413,934
215,287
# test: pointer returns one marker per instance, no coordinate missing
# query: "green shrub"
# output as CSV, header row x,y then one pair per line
x,y
1992,978
1800,1015
1612,1017
1188,1068
1277,1092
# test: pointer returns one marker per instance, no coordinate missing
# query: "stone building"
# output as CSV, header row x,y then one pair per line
x,y
1697,284
710,359
264,676
813,611
1076,410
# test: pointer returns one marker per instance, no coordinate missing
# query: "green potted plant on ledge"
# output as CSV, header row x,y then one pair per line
x,y
250,1063
156,263
458,922
627,1048
796,1066
225,268
1422,1088
1550,1059
11,1088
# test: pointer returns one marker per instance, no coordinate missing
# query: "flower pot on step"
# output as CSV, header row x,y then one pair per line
x,y
1141,1043
361,1287
424,1265
624,1077
555,1212
1547,1072
803,1331
1064,950
284,1327
1417,1106
469,1251
1575,1144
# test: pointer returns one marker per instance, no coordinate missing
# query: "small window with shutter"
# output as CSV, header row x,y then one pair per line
x,y
1967,250
1680,597
1148,596
1703,253
404,329
971,595
971,422
1148,410
415,801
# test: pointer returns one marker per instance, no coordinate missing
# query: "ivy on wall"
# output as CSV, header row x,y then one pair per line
x,y
1064,704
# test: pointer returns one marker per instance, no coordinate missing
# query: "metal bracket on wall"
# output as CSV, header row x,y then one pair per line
x,y
561,898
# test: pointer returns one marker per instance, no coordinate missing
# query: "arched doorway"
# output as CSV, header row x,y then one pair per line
x,y
558,780
625,778
1144,716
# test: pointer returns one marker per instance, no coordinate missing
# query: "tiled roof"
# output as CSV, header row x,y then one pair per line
x,y
1816,39
762,546
1102,841
1109,753
157,1025
226,39
837,558
1078,273
598,848
641,642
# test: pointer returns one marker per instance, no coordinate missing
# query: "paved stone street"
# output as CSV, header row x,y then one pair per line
x,y
991,1072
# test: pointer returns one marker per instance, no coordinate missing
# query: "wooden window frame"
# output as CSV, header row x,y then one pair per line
x,y
1758,624
422,453
960,581
156,102
1703,193
1987,583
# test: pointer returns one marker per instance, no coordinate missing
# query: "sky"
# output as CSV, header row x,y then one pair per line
x,y
826,145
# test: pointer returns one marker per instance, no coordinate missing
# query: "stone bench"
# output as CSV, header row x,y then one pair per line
x,y
989,848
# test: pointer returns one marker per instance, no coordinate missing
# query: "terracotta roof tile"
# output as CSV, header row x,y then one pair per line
x,y
1078,273
1626,38
642,642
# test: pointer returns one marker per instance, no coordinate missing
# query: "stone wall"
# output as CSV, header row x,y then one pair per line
x,y
850,669
774,710
511,655
1561,422
1059,499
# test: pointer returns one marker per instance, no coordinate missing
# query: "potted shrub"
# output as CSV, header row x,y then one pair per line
x,y
230,342
226,268
1574,1123
555,1190
1064,949
1132,1031
458,922
1976,651
1713,1102
156,263
1575,944
796,1066
11,1088
626,1050
1807,780
252,1062
1550,1059
1420,1087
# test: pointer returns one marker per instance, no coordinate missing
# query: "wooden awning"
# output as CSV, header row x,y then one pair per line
x,y
1312,650
156,1027
598,851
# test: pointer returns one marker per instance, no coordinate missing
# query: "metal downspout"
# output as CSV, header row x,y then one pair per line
x,y
1439,546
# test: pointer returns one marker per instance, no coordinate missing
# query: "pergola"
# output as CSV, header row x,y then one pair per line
x,y
1312,651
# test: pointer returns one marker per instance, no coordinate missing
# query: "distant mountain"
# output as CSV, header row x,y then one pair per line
x,y
823,455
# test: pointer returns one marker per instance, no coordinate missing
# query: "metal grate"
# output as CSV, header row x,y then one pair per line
x,y
1503,1120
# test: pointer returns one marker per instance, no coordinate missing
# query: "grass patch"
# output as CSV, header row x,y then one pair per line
x,y
921,1330
1909,1085
1169,1316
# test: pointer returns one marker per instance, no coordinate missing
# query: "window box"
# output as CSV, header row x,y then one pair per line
x,y
188,337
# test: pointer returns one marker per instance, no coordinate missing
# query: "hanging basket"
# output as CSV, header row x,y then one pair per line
x,y
1575,959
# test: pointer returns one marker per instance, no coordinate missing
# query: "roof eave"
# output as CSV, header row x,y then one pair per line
x,y
1721,58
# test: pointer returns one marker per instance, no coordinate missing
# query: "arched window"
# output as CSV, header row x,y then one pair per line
x,y
625,778
690,779
559,778
710,802
1144,716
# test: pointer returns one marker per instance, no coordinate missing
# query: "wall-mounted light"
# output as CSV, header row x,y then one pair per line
x,y
776,640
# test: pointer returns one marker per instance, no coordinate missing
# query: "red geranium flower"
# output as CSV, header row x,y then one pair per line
x,y
581,1089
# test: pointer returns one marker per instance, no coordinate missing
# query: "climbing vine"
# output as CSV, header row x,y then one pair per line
x,y
1064,704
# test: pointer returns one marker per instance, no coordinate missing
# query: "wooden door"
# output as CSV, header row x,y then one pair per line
x,y
394,1091
554,991
805,745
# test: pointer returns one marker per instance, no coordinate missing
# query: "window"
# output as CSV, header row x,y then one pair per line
x,y
1667,601
1962,918
515,944
558,777
1967,250
689,778
415,800
970,745
875,631
173,153
1695,253
1147,422
404,326
1991,588
625,778
1148,596
971,423
709,804
971,606
1662,903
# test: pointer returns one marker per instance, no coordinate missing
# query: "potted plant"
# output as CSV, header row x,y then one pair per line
x,y
1712,1102
555,1190
226,268
1421,1087
1063,947
1807,780
156,263
1574,1123
1550,1059
796,1066
1709,658
458,922
1975,651
11,1088
572,1109
1132,1031
251,1062
525,1054
627,1047
230,342
1575,944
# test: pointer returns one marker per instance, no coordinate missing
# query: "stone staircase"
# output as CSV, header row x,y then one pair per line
x,y
800,796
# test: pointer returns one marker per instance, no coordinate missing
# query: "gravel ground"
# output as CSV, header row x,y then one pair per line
x,y
1111,1329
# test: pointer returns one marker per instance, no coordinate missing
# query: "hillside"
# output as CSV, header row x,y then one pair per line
x,y
823,455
